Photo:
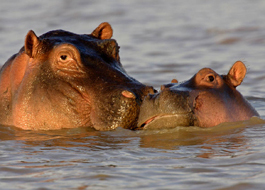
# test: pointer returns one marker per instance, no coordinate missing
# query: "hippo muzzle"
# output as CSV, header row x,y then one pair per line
x,y
167,109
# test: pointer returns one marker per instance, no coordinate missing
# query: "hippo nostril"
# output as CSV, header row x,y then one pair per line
x,y
128,94
151,90
174,81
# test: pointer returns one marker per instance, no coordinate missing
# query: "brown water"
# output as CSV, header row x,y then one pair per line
x,y
159,40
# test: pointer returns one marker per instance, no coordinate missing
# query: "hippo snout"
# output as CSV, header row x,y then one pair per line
x,y
166,109
140,94
148,90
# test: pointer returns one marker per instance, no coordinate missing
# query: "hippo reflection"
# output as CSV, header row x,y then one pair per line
x,y
65,80
206,100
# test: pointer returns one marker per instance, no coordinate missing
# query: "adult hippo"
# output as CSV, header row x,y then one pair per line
x,y
206,100
65,80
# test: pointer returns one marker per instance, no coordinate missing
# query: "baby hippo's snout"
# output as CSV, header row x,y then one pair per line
x,y
167,109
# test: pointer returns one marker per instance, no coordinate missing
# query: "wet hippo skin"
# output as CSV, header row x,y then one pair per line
x,y
205,100
66,80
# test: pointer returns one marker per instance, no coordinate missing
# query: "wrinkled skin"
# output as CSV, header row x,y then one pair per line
x,y
65,80
206,100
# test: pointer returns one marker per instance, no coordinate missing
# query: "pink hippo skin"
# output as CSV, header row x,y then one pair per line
x,y
66,80
206,100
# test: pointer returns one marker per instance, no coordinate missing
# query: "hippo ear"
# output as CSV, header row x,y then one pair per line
x,y
31,43
103,31
237,73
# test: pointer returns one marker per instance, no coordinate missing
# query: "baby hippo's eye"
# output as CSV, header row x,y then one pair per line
x,y
210,78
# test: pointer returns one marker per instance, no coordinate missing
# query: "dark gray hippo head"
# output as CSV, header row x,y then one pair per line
x,y
206,100
66,80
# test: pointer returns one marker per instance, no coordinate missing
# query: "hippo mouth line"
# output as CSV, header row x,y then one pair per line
x,y
151,120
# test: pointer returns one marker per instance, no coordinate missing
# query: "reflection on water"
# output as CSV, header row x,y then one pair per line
x,y
75,157
164,138
159,41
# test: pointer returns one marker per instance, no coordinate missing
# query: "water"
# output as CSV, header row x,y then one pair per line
x,y
160,40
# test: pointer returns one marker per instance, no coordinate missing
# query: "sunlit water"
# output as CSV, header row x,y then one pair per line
x,y
160,40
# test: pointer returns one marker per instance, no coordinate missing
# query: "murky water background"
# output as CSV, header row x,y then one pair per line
x,y
159,40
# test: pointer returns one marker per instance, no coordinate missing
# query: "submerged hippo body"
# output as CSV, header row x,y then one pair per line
x,y
206,100
65,80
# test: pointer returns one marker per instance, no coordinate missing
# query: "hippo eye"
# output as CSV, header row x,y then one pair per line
x,y
63,57
210,78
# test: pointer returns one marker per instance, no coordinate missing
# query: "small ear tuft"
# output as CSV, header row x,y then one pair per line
x,y
237,73
103,31
31,43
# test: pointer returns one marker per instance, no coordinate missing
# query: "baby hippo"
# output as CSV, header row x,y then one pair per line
x,y
206,100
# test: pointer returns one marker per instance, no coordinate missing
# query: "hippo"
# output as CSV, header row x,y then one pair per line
x,y
66,80
205,100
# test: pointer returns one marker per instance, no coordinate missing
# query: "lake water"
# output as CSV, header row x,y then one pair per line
x,y
160,40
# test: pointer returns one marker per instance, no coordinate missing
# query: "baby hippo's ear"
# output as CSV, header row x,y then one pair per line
x,y
103,31
236,74
31,43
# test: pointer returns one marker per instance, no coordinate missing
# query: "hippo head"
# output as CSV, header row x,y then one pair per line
x,y
65,80
206,100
